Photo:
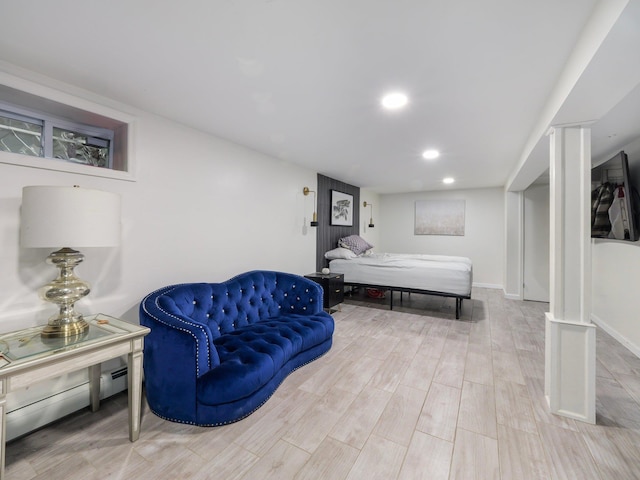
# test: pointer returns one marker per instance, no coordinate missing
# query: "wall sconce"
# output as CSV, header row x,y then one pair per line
x,y
314,221
365,205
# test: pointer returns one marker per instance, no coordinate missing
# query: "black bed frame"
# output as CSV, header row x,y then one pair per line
x,y
402,290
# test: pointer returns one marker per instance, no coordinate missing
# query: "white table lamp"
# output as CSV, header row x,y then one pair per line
x,y
68,217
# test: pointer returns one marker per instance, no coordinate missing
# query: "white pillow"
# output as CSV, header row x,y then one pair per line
x,y
340,252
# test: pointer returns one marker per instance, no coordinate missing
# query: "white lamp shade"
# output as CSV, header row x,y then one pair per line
x,y
73,217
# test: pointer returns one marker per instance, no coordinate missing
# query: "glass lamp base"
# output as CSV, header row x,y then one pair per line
x,y
65,291
73,329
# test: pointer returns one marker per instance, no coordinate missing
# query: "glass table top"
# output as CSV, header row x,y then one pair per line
x,y
27,344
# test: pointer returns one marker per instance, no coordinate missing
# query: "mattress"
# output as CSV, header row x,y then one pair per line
x,y
435,273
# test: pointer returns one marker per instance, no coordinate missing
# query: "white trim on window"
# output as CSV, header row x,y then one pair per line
x,y
85,116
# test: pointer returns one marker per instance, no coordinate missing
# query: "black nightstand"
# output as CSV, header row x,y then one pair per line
x,y
333,286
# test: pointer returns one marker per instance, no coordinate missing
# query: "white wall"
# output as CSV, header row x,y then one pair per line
x,y
483,240
615,300
202,209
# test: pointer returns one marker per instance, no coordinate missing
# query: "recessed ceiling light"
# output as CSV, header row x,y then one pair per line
x,y
448,180
395,100
430,154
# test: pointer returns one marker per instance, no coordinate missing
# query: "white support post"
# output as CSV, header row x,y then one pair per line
x,y
570,348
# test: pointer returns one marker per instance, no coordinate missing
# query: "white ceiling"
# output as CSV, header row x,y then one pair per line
x,y
301,80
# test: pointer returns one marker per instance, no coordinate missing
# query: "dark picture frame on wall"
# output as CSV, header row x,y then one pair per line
x,y
341,208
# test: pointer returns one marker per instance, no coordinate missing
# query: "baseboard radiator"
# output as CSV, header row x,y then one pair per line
x,y
49,401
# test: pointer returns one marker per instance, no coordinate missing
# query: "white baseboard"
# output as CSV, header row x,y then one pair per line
x,y
633,348
512,296
487,285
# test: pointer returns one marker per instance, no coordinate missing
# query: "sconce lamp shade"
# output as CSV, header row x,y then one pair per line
x,y
55,217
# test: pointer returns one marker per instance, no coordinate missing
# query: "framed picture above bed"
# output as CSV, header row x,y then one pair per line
x,y
439,217
341,208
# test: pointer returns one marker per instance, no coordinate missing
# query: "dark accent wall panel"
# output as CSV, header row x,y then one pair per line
x,y
327,235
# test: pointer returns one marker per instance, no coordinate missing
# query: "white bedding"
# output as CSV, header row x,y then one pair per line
x,y
436,273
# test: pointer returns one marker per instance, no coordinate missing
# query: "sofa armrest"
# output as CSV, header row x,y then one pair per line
x,y
176,352
159,312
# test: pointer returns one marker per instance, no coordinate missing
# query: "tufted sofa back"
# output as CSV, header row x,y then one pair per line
x,y
247,298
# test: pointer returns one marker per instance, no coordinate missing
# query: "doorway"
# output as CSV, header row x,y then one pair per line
x,y
536,243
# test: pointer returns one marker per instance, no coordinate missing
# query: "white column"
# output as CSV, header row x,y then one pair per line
x,y
570,349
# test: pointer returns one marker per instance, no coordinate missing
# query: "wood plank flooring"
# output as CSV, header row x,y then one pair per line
x,y
409,394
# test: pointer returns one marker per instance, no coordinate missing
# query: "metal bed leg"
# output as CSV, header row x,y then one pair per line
x,y
458,307
391,301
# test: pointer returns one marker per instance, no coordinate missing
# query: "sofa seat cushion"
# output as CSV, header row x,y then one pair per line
x,y
250,356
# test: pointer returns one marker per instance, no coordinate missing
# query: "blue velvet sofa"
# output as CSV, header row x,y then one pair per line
x,y
218,351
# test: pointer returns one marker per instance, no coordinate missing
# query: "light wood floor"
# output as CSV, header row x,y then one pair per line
x,y
409,394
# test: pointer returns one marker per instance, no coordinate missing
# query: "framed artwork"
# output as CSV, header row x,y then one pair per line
x,y
439,217
341,208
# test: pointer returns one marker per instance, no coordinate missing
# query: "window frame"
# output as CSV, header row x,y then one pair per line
x,y
74,110
50,122
7,111
88,130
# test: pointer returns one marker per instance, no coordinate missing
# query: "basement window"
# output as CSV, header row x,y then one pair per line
x,y
20,134
85,147
53,138
41,132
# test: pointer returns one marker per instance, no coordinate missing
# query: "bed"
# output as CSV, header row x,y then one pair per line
x,y
446,276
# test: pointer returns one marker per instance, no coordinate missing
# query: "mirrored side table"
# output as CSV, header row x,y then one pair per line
x,y
27,358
